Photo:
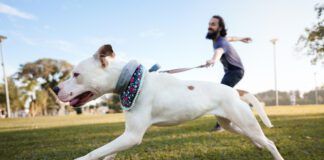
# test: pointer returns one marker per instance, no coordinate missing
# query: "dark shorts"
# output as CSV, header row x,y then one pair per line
x,y
232,77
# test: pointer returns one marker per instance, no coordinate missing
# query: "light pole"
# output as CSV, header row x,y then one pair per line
x,y
316,92
5,77
274,41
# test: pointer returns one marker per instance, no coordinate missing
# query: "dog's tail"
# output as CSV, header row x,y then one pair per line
x,y
250,98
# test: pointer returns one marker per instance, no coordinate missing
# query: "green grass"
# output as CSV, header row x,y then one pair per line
x,y
298,134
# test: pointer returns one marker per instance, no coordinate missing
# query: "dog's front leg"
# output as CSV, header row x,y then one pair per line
x,y
123,142
133,135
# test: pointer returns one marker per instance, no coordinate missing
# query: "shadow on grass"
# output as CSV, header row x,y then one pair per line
x,y
297,137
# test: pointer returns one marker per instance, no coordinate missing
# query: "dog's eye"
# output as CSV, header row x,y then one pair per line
x,y
75,75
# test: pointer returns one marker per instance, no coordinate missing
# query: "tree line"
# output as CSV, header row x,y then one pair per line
x,y
292,97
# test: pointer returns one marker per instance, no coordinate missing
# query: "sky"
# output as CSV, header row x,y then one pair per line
x,y
170,33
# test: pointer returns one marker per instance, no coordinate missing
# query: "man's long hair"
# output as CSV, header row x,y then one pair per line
x,y
221,24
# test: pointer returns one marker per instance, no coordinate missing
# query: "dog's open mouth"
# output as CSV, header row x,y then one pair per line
x,y
81,99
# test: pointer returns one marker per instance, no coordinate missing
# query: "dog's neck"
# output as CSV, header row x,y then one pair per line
x,y
117,64
114,70
126,75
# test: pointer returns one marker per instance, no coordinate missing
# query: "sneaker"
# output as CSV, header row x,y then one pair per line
x,y
217,129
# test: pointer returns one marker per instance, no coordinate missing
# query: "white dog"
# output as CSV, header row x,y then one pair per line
x,y
161,100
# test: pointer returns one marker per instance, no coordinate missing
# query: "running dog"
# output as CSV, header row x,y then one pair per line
x,y
159,99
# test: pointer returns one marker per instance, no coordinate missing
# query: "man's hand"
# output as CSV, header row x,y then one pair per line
x,y
210,63
216,57
235,39
246,40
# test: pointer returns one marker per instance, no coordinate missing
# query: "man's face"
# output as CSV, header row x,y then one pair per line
x,y
212,29
213,25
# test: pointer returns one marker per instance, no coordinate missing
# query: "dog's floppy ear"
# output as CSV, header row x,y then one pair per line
x,y
103,52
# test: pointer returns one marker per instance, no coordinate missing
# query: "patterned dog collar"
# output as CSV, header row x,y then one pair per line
x,y
129,84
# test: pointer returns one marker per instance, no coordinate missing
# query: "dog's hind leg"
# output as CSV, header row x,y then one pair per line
x,y
243,117
226,124
231,127
268,144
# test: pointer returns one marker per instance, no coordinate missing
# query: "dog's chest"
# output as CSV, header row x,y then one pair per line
x,y
173,107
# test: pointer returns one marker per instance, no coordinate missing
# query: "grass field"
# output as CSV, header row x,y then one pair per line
x,y
298,134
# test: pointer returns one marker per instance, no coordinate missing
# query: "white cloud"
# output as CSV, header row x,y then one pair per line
x,y
53,44
155,33
5,9
47,27
100,40
28,40
61,45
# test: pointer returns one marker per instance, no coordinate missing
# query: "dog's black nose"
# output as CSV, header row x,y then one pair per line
x,y
56,90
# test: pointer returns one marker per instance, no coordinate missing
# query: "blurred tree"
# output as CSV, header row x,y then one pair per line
x,y
299,99
41,101
16,100
15,96
268,97
309,97
113,103
313,41
2,98
43,74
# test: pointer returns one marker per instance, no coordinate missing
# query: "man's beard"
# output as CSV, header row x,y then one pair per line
x,y
212,35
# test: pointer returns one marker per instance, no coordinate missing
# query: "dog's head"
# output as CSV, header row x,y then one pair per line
x,y
90,79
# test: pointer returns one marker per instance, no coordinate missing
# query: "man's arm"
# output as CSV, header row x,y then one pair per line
x,y
217,55
242,39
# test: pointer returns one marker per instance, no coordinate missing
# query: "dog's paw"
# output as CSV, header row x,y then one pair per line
x,y
81,158
110,157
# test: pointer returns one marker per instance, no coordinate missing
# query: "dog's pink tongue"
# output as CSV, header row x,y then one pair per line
x,y
74,102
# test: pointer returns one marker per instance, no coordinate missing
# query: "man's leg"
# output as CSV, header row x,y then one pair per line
x,y
231,78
